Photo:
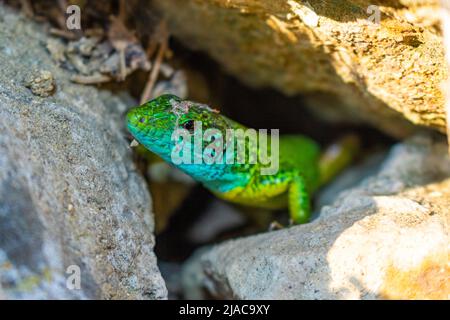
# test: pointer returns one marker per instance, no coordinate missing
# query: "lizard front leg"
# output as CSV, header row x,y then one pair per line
x,y
299,200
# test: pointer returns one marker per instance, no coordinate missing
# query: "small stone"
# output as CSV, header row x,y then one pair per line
x,y
134,143
41,83
176,85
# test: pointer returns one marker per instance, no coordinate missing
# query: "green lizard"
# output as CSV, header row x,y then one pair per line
x,y
302,169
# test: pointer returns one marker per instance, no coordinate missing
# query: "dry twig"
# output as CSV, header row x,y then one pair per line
x,y
163,45
66,34
27,8
120,38
94,79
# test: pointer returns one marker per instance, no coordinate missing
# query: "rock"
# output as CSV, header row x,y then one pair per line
x,y
41,83
386,238
219,216
176,84
192,276
349,178
350,66
70,197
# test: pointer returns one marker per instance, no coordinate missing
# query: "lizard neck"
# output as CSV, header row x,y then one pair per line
x,y
218,177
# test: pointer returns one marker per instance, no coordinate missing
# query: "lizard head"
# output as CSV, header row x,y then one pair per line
x,y
153,123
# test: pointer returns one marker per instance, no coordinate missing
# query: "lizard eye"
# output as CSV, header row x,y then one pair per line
x,y
142,120
188,125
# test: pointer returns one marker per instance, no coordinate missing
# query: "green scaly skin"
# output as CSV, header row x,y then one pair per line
x,y
302,169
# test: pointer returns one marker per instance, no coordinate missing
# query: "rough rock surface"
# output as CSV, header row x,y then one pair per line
x,y
381,73
69,192
387,238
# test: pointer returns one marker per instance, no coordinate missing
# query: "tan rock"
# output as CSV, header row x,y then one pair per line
x,y
381,73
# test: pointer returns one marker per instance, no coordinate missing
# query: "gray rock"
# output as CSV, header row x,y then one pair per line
x,y
386,238
70,196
